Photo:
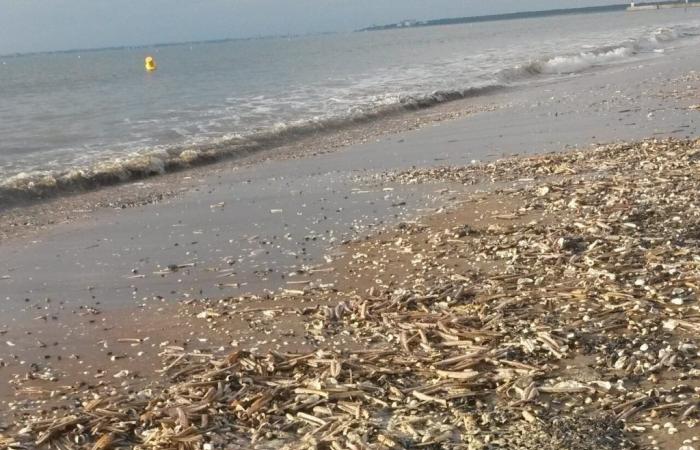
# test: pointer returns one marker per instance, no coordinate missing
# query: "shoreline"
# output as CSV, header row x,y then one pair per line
x,y
28,183
284,143
39,213
44,212
535,284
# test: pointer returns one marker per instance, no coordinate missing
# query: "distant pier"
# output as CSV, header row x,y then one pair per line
x,y
664,5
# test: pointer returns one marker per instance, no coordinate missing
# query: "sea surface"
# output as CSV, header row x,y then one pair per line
x,y
85,118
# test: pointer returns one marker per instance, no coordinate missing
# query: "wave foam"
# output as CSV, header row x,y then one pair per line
x,y
584,60
573,63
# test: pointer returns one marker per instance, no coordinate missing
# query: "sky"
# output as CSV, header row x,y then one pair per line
x,y
47,25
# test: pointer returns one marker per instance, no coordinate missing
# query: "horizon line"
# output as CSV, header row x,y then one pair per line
x,y
167,44
424,22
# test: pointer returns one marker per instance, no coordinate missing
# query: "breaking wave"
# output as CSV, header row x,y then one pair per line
x,y
42,184
573,63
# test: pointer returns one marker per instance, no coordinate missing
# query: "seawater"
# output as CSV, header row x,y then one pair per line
x,y
86,118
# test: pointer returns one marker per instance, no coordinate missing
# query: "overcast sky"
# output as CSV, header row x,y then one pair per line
x,y
40,25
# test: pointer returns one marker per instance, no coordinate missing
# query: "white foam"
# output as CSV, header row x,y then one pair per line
x,y
189,156
584,60
30,180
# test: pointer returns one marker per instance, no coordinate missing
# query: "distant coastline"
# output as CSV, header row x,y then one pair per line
x,y
639,6
512,16
158,45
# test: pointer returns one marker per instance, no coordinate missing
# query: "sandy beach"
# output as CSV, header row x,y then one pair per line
x,y
419,282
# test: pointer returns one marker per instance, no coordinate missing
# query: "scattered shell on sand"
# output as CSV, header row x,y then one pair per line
x,y
576,329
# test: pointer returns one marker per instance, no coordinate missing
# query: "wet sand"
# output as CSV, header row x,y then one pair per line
x,y
74,287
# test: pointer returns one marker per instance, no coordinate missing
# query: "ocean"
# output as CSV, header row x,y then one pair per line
x,y
81,119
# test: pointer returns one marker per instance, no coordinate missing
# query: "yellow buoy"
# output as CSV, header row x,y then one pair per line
x,y
150,64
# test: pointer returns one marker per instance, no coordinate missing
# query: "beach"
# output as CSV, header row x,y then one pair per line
x,y
420,280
